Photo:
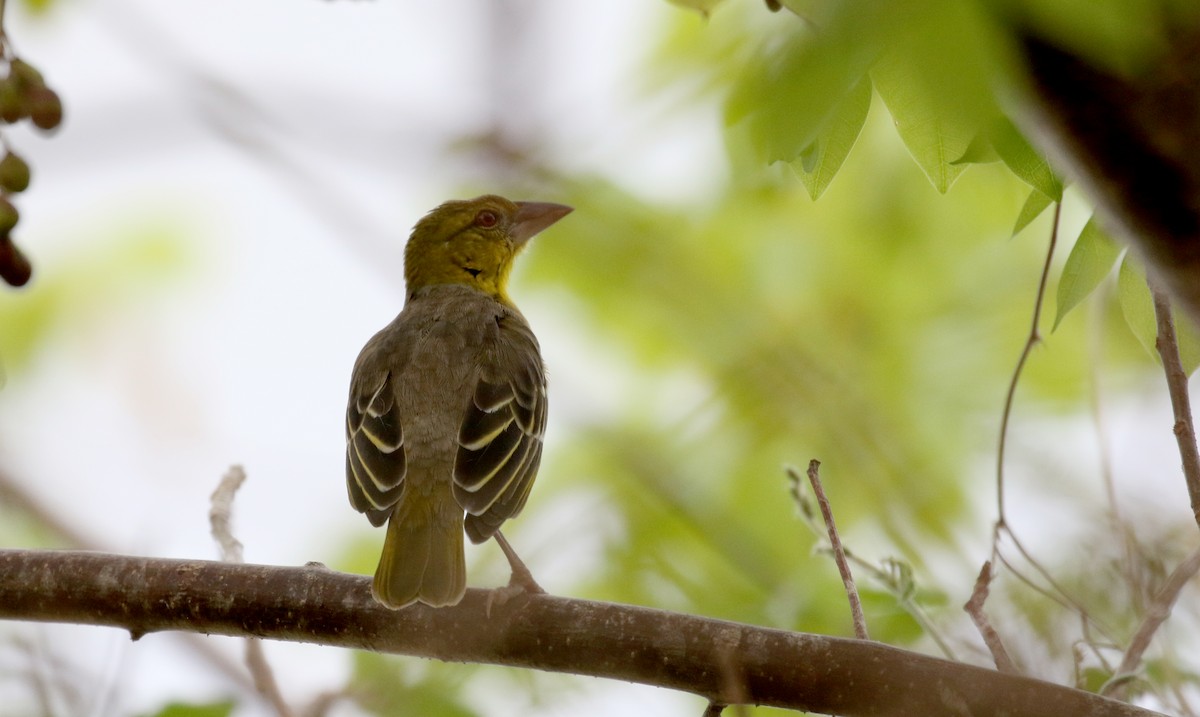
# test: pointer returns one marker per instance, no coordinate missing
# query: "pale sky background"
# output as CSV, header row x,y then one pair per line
x,y
127,424
296,143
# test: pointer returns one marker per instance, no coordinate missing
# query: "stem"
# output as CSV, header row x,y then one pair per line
x,y
839,554
1156,615
1177,386
1030,342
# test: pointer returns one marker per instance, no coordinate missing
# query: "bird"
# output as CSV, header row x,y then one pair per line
x,y
447,407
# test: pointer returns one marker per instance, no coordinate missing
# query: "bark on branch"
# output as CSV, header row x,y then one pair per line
x,y
683,652
1131,143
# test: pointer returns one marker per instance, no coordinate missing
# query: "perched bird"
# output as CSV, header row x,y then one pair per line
x,y
448,402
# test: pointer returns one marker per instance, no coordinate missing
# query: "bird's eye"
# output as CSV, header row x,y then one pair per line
x,y
486,219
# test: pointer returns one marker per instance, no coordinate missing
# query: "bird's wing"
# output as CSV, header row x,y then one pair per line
x,y
500,439
375,463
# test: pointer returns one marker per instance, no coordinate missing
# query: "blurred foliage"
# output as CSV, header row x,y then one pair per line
x,y
1138,307
184,709
127,261
38,7
875,329
389,686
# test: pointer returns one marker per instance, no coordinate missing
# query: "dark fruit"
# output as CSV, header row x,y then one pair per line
x,y
45,109
14,173
8,216
12,101
25,74
14,267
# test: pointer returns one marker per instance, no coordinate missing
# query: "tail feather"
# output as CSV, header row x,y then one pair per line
x,y
422,558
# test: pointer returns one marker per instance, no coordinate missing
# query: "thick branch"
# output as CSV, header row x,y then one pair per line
x,y
1131,143
317,605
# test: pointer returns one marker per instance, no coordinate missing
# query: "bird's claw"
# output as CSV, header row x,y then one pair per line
x,y
518,585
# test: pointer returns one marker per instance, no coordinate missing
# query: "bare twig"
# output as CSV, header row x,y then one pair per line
x,y
323,702
1129,548
220,517
1030,341
1002,527
1185,430
220,514
991,638
1156,614
894,576
1055,591
1159,610
264,677
839,554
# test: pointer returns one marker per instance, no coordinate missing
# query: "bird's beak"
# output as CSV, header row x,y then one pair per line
x,y
533,217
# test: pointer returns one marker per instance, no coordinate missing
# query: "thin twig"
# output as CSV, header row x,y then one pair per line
x,y
1129,548
220,517
323,702
1156,614
1159,610
902,587
1002,527
991,638
1031,341
220,514
1185,430
1054,592
839,554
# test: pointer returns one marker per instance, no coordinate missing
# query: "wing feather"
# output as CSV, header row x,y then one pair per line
x,y
375,459
500,438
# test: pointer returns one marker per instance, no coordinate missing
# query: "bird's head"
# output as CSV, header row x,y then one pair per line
x,y
474,241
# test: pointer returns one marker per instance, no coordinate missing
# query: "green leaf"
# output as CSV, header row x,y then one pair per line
x,y
980,151
936,78
789,94
1091,260
820,162
928,129
1138,307
383,685
1024,161
185,709
1035,204
1136,304
1189,343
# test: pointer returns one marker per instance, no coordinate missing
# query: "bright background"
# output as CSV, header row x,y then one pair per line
x,y
217,228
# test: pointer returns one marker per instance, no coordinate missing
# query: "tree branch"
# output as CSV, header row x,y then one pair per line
x,y
1130,142
313,604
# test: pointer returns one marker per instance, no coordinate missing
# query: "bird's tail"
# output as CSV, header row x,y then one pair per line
x,y
422,556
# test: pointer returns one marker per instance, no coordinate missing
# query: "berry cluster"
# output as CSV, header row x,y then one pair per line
x,y
23,95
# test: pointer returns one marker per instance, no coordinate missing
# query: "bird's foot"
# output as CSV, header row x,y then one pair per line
x,y
520,583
